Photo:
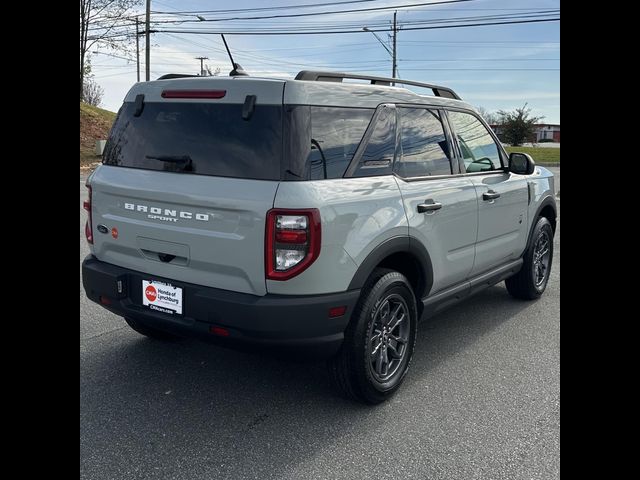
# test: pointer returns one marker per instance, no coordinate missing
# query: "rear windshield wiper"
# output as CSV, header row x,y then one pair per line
x,y
185,160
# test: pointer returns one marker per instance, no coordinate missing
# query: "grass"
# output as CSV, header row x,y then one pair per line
x,y
95,124
540,155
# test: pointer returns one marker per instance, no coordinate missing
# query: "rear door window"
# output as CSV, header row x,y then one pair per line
x,y
379,153
198,138
425,149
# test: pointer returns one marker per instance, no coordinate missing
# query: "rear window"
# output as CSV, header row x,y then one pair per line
x,y
198,138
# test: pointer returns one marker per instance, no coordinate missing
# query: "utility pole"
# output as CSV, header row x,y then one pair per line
x,y
137,48
395,35
201,65
148,43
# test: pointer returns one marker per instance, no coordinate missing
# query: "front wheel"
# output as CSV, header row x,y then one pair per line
x,y
531,281
379,340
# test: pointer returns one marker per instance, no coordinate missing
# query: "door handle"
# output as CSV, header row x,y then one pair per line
x,y
429,206
490,195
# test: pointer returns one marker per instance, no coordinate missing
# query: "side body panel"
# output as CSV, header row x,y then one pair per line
x,y
502,223
357,215
448,234
541,190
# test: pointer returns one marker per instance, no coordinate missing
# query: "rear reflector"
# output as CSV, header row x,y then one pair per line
x,y
105,300
221,332
88,227
337,311
193,93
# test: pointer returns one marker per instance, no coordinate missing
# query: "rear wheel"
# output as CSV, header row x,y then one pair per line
x,y
531,281
379,340
148,331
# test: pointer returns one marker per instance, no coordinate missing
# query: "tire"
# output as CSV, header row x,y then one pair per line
x,y
354,370
149,331
531,281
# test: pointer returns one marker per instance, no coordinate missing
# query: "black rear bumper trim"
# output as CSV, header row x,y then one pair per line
x,y
298,322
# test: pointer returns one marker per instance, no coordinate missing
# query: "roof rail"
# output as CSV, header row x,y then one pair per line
x,y
314,76
176,75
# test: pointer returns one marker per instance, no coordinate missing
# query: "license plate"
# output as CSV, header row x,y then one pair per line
x,y
162,297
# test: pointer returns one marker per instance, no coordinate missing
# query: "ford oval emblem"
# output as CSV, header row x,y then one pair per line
x,y
102,228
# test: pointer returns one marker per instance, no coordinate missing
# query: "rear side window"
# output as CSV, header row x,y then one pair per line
x,y
198,138
425,150
479,150
335,136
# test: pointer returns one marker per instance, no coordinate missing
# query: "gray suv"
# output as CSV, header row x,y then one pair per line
x,y
311,214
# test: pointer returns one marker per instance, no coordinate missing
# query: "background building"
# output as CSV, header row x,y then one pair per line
x,y
545,132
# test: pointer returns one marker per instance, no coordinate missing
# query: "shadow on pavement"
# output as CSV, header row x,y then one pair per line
x,y
159,408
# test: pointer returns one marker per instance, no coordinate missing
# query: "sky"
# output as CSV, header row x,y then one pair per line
x,y
494,67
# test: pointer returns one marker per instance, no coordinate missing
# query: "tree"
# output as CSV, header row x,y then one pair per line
x,y
213,73
105,23
517,125
491,117
92,92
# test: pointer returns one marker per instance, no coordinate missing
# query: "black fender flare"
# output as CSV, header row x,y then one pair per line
x,y
404,244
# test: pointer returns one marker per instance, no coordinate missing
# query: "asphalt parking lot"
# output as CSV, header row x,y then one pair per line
x,y
482,400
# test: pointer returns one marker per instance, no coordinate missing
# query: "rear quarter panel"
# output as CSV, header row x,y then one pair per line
x,y
357,214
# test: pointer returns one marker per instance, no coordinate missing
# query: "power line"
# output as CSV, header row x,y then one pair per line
x,y
336,12
299,25
441,44
114,56
474,42
261,9
484,69
326,32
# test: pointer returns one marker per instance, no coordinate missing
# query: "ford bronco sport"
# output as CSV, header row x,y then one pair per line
x,y
313,213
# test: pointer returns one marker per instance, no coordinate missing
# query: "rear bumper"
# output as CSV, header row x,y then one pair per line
x,y
294,322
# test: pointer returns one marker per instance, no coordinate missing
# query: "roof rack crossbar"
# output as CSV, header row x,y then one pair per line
x,y
317,76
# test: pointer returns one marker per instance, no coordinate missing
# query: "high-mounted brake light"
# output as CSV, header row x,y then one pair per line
x,y
88,230
193,93
292,242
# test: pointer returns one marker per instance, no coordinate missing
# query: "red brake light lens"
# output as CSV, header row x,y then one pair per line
x,y
291,236
292,242
88,227
193,93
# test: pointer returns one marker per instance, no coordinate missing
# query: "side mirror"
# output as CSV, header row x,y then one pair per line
x,y
521,163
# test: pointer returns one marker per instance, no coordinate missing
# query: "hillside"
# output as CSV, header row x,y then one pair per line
x,y
95,124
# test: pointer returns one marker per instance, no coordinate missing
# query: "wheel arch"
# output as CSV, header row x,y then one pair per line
x,y
547,209
404,254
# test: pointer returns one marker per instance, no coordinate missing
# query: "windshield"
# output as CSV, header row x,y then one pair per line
x,y
198,138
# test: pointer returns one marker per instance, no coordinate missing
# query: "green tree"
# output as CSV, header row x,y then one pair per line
x,y
518,125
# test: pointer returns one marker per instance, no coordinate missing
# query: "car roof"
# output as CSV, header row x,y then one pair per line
x,y
296,92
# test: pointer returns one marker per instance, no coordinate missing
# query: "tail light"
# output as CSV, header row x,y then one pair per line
x,y
292,242
88,228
